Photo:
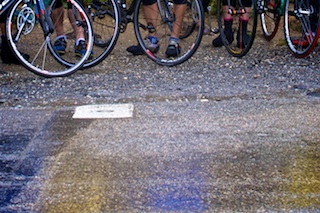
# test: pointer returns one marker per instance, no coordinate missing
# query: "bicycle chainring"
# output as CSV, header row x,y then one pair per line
x,y
26,20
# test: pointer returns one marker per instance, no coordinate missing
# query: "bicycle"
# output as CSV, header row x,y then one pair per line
x,y
191,31
270,12
233,25
302,26
30,30
105,18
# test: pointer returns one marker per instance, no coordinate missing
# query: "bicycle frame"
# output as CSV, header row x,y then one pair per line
x,y
126,14
167,17
281,8
263,8
5,5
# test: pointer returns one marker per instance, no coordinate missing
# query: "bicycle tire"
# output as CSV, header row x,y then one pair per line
x,y
301,32
244,40
25,37
270,17
105,19
163,29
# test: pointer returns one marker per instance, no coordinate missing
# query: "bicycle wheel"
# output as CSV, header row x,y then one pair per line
x,y
32,36
162,27
105,20
240,32
270,13
301,26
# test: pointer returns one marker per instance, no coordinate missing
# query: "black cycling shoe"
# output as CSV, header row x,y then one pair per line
x,y
173,49
135,50
151,43
217,42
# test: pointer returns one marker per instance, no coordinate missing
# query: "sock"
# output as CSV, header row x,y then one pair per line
x,y
177,40
61,36
153,39
78,41
228,26
228,29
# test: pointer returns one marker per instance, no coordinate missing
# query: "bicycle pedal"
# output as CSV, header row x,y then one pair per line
x,y
129,18
215,30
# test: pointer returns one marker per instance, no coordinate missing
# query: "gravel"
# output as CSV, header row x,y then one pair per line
x,y
267,71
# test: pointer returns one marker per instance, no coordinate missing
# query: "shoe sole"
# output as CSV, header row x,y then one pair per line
x,y
142,53
80,56
60,52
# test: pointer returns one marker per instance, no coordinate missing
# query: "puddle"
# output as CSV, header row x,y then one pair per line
x,y
274,177
25,150
14,142
10,148
107,168
303,175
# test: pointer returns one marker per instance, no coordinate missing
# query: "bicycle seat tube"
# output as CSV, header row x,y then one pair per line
x,y
43,16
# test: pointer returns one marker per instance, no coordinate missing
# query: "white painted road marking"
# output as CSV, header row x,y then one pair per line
x,y
104,111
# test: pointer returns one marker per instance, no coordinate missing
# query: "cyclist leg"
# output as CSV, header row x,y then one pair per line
x,y
61,39
150,10
78,33
57,16
189,36
227,20
80,45
243,37
179,9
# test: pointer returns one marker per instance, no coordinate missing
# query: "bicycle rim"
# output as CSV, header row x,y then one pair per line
x,y
27,38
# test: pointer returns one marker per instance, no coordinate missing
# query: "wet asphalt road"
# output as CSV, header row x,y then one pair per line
x,y
198,156
217,134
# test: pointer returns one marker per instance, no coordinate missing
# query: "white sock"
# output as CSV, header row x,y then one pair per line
x,y
61,36
78,41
